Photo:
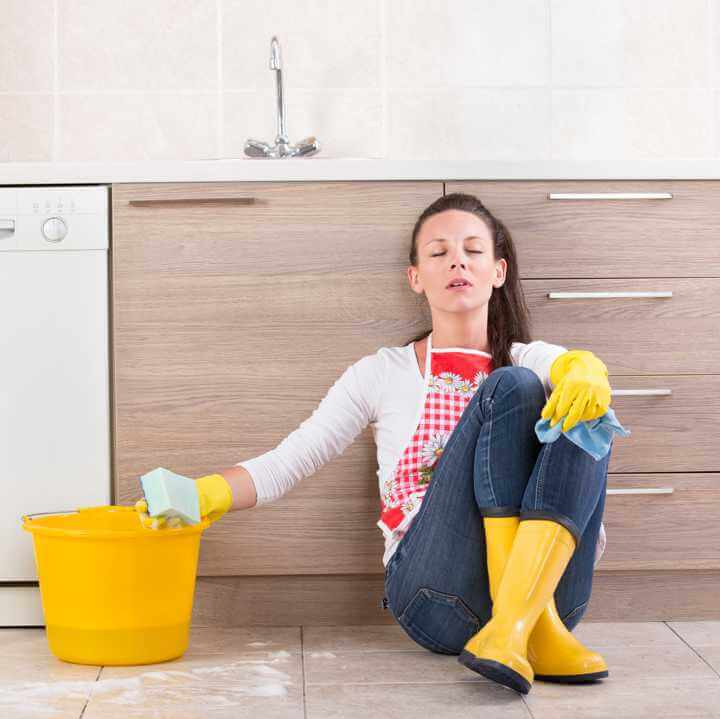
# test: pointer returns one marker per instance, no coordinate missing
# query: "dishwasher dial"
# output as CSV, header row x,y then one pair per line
x,y
54,229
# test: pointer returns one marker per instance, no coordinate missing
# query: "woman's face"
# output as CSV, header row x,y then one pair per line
x,y
452,244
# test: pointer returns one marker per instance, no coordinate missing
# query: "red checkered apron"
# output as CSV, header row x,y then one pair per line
x,y
452,376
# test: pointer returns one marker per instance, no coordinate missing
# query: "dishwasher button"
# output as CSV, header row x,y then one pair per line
x,y
54,229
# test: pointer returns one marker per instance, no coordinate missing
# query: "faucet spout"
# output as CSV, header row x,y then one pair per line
x,y
276,64
275,57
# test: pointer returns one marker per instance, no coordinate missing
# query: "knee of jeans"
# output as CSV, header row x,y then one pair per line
x,y
439,621
515,379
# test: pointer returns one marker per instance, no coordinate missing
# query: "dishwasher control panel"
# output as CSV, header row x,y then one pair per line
x,y
54,218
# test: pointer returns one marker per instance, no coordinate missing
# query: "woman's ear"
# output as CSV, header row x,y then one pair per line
x,y
500,272
414,279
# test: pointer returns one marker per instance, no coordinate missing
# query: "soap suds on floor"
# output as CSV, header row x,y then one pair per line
x,y
322,655
227,685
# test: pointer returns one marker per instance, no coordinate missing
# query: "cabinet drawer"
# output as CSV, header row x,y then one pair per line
x,y
632,334
675,432
605,237
265,228
656,521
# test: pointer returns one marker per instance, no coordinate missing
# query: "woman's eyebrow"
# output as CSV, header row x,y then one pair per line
x,y
442,239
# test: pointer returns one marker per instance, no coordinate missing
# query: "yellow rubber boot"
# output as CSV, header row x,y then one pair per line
x,y
499,537
554,653
539,555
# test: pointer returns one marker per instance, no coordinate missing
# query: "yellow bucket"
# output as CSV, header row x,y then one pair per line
x,y
113,591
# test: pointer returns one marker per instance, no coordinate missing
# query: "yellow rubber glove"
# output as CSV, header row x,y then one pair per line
x,y
214,496
581,389
160,522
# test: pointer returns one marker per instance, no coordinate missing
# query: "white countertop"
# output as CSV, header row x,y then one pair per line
x,y
338,169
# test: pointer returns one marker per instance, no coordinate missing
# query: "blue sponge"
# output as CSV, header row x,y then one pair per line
x,y
171,495
595,436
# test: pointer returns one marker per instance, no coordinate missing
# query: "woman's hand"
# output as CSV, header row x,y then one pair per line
x,y
214,499
141,507
215,496
581,389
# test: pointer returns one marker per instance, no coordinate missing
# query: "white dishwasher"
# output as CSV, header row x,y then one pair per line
x,y
54,370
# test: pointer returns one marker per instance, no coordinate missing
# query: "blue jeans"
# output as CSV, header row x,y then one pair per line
x,y
436,582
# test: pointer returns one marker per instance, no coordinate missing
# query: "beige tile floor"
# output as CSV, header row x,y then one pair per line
x,y
657,669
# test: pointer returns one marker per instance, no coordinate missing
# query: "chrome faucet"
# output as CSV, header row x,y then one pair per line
x,y
281,148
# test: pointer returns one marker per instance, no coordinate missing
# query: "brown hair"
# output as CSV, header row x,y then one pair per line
x,y
508,315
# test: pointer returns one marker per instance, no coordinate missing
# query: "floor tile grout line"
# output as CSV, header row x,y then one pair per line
x,y
629,683
480,680
371,651
425,651
682,639
85,706
527,706
302,670
523,698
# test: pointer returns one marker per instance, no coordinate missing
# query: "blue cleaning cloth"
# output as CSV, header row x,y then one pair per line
x,y
594,435
171,495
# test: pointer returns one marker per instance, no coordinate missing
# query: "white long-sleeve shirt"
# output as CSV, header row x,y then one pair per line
x,y
384,390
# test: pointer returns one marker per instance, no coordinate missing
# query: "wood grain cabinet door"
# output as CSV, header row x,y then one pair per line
x,y
235,307
662,521
609,229
636,325
672,420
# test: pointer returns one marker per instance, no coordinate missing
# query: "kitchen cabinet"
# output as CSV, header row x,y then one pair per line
x,y
236,305
628,269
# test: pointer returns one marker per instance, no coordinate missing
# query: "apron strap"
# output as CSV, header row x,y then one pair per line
x,y
428,353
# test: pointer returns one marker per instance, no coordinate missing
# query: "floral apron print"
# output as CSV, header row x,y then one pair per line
x,y
452,376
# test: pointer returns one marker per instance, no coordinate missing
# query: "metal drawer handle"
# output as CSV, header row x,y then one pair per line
x,y
182,201
641,392
641,490
598,295
610,196
7,225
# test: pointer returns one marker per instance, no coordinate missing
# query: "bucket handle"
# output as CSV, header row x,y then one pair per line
x,y
41,514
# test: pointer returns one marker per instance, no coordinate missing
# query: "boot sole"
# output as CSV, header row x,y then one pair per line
x,y
571,678
496,671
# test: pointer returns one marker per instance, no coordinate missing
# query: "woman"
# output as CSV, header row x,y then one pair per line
x,y
490,536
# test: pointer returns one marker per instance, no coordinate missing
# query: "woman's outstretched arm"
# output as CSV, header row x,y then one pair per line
x,y
243,487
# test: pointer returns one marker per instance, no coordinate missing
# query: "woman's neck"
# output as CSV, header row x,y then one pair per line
x,y
469,339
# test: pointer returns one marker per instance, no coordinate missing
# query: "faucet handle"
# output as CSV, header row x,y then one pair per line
x,y
257,148
308,146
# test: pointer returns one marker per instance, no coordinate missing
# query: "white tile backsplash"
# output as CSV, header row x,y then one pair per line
x,y
26,49
469,123
638,44
26,128
528,80
460,44
632,124
134,45
144,126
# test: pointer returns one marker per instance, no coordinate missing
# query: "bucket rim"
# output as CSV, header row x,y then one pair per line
x,y
142,532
